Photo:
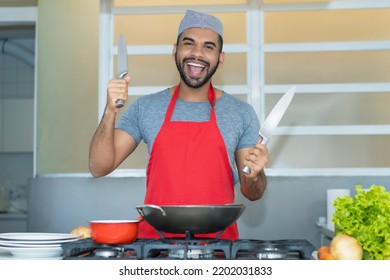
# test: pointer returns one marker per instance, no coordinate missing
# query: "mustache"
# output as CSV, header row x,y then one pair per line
x,y
196,59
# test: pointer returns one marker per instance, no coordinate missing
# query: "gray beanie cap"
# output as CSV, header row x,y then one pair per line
x,y
194,19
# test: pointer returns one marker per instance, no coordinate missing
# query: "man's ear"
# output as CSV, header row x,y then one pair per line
x,y
174,51
221,58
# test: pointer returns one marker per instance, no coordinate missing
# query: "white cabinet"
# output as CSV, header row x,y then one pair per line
x,y
17,128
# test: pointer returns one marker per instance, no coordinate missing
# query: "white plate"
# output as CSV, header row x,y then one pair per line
x,y
2,251
27,242
22,245
5,255
33,253
37,238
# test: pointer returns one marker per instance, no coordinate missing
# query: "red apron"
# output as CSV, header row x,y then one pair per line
x,y
189,165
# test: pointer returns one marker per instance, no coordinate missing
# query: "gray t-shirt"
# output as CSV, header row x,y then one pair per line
x,y
236,119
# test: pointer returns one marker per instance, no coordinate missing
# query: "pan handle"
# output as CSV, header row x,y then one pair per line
x,y
140,209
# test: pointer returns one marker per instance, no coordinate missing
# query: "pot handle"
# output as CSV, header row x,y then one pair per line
x,y
140,209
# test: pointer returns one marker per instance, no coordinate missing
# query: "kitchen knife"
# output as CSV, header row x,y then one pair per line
x,y
273,119
122,67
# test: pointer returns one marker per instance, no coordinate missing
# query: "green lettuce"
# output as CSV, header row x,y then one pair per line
x,y
366,216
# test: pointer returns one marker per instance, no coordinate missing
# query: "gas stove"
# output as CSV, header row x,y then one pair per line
x,y
182,249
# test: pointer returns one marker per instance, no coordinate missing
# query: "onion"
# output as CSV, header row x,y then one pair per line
x,y
345,247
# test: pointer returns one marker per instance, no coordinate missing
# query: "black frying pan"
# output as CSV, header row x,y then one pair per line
x,y
193,219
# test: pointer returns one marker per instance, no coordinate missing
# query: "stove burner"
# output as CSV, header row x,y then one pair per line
x,y
188,249
190,254
272,254
87,249
290,249
106,252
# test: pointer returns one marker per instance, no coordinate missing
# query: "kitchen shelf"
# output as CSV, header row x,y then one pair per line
x,y
334,130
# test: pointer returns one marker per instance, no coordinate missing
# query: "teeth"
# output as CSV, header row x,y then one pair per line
x,y
195,65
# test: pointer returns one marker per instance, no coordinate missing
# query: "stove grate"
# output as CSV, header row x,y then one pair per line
x,y
188,249
294,249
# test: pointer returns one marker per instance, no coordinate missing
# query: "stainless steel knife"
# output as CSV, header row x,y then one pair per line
x,y
273,119
122,68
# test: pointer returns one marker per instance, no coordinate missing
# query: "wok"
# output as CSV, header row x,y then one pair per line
x,y
192,219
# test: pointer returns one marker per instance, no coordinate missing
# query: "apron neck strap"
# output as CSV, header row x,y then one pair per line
x,y
171,106
211,94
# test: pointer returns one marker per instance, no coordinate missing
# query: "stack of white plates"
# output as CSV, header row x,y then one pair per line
x,y
34,244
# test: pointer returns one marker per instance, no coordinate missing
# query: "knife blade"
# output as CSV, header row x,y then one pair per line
x,y
273,119
122,68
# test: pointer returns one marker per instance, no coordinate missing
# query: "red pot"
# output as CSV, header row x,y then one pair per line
x,y
114,231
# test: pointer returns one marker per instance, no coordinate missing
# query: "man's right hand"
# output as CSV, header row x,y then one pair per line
x,y
117,89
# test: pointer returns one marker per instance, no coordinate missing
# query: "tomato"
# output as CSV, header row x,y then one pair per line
x,y
327,256
324,253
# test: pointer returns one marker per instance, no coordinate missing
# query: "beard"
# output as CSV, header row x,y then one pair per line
x,y
195,82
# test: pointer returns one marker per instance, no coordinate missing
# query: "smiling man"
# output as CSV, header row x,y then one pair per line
x,y
199,138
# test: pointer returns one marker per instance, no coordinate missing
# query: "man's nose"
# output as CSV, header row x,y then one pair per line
x,y
198,50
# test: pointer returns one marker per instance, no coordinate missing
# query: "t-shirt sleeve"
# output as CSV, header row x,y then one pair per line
x,y
250,134
129,121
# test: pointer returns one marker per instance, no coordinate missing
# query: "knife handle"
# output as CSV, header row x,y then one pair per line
x,y
262,140
119,103
246,170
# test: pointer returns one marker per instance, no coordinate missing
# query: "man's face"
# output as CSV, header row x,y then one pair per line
x,y
197,56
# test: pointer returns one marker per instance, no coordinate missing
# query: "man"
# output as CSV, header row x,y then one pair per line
x,y
199,138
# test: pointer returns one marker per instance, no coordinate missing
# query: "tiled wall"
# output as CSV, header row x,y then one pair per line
x,y
16,77
16,169
16,82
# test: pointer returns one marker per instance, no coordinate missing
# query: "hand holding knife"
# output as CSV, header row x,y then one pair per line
x,y
122,68
273,119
